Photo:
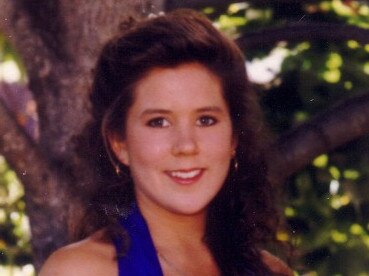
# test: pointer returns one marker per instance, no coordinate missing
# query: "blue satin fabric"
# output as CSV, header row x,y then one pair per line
x,y
141,258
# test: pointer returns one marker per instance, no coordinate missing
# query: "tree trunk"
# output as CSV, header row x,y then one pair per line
x,y
59,42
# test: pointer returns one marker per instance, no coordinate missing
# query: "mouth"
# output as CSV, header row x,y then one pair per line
x,y
186,176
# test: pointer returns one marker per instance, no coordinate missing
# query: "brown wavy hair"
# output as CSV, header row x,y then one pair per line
x,y
242,216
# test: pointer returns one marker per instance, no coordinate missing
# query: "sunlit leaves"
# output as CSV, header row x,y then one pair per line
x,y
321,161
352,12
14,226
11,65
9,71
300,116
283,236
242,16
338,237
366,68
348,85
351,174
230,23
328,206
335,172
352,44
237,7
343,9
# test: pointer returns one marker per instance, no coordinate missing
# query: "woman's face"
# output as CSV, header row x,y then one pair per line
x,y
178,140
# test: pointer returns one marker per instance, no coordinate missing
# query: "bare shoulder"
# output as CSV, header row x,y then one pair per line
x,y
275,264
91,256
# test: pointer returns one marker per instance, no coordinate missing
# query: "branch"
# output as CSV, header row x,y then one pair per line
x,y
305,31
18,148
340,124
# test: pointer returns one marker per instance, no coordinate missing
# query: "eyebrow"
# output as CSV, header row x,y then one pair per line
x,y
150,111
216,109
155,111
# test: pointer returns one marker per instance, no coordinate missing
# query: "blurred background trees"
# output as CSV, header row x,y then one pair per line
x,y
327,201
303,57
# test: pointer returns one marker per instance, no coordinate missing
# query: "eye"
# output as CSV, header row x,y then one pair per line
x,y
205,121
158,122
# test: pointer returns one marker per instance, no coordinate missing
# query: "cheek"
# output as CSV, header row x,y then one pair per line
x,y
146,148
219,143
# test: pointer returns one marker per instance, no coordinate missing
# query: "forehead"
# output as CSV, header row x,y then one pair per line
x,y
186,85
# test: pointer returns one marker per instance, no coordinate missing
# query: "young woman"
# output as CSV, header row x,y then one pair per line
x,y
175,144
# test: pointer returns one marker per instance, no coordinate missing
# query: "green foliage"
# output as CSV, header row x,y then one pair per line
x,y
10,57
15,249
14,227
327,205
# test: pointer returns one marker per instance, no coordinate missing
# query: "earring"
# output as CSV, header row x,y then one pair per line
x,y
235,161
121,171
235,164
118,170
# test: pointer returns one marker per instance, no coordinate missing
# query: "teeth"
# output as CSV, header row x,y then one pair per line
x,y
185,175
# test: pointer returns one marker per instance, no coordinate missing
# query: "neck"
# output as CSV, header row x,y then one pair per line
x,y
179,241
177,230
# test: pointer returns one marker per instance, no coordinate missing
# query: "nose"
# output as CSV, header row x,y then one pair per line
x,y
185,142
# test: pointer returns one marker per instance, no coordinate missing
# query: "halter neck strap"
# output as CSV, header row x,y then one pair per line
x,y
141,258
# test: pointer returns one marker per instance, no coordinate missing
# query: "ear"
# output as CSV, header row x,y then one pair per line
x,y
119,148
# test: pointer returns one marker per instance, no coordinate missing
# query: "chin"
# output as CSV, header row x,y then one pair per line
x,y
189,209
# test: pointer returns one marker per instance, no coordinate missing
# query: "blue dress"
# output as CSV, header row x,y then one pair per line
x,y
141,258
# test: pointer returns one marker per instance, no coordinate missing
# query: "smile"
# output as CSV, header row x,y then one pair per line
x,y
185,176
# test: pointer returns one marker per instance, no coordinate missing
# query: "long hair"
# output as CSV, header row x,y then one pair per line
x,y
241,216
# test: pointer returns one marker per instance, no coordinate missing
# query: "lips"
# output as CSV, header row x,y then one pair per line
x,y
187,176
